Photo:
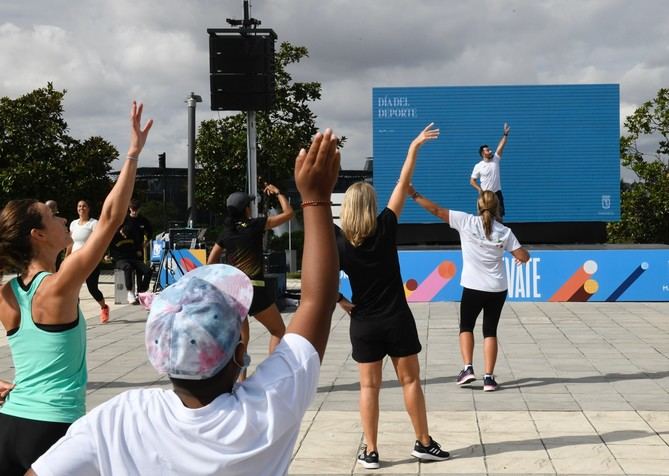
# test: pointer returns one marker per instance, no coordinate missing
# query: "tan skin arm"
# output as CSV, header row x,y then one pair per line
x,y
502,141
398,197
286,210
429,205
316,173
56,301
521,255
215,255
475,184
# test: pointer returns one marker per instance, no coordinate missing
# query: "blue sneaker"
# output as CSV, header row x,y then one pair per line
x,y
466,376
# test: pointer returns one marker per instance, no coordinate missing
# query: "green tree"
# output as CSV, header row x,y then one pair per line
x,y
281,133
644,211
39,159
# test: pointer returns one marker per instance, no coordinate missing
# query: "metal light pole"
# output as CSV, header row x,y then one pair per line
x,y
192,101
252,169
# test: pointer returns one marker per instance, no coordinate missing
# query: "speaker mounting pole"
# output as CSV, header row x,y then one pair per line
x,y
241,66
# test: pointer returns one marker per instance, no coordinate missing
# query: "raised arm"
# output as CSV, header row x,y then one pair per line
x,y
399,195
316,173
286,210
502,141
78,266
428,205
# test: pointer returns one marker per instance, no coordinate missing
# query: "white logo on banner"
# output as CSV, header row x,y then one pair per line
x,y
606,202
523,280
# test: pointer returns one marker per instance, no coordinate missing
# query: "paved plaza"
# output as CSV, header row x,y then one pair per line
x,y
584,390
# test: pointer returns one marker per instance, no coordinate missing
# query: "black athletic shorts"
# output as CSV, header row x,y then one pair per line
x,y
262,299
22,441
373,339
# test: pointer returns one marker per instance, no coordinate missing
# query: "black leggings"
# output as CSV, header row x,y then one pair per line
x,y
471,304
22,441
92,284
142,270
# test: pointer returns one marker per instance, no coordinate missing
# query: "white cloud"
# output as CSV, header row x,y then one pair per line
x,y
107,53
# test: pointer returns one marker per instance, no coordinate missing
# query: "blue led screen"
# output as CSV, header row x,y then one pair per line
x,y
561,162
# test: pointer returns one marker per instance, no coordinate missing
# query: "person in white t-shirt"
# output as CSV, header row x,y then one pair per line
x,y
81,230
206,424
488,170
483,279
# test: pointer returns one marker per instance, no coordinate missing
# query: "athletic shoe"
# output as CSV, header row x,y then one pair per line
x,y
104,314
489,384
466,376
368,460
431,452
131,297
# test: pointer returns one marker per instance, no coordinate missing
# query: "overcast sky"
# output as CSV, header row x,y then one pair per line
x,y
107,52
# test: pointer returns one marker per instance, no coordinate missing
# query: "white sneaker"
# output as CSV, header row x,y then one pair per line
x,y
131,297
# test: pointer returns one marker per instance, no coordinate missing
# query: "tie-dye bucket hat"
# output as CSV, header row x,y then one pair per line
x,y
194,325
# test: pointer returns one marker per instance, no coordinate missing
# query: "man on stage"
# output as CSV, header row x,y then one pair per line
x,y
487,170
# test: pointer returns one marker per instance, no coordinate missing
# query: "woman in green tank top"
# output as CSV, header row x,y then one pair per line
x,y
39,309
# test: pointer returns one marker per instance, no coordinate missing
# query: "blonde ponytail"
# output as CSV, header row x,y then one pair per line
x,y
488,207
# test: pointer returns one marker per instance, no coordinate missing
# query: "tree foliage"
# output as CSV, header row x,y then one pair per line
x,y
38,159
281,133
644,212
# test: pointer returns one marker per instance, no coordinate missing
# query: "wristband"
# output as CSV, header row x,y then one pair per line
x,y
317,203
415,195
130,157
506,134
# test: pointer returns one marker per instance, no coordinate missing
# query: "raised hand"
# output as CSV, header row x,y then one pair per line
x,y
317,169
506,129
426,134
138,134
271,189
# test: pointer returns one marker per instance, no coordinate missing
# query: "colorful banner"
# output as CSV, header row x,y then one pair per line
x,y
176,263
555,275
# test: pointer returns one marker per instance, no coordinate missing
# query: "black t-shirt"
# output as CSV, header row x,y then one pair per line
x,y
373,269
243,246
137,228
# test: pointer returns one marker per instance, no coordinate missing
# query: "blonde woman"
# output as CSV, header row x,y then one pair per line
x,y
381,321
484,240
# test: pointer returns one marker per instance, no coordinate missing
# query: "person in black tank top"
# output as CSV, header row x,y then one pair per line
x,y
381,321
240,244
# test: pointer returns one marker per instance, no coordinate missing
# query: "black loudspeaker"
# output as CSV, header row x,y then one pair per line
x,y
241,72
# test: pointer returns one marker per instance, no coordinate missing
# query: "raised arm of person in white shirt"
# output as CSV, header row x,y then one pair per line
x,y
502,141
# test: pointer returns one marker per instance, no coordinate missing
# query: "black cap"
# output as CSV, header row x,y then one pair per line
x,y
239,201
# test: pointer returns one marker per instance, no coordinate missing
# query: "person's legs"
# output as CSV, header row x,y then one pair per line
x,y
470,307
128,273
370,386
271,319
492,311
500,199
143,276
408,373
244,336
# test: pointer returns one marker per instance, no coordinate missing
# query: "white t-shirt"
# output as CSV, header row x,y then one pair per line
x,y
251,431
80,233
488,172
482,265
